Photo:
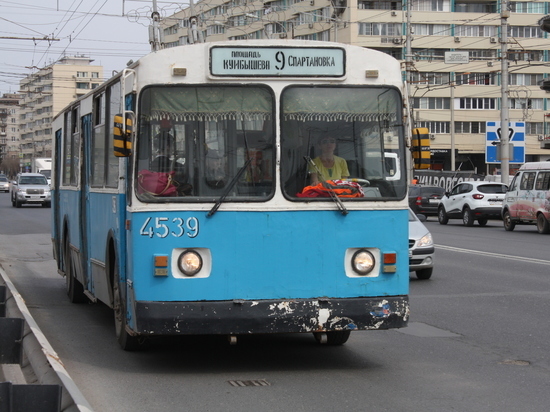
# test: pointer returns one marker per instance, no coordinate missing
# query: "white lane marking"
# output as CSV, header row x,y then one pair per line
x,y
497,255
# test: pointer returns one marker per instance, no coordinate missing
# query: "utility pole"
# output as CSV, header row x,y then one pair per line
x,y
154,29
504,117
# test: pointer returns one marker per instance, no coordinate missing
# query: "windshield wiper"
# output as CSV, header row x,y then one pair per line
x,y
332,193
229,187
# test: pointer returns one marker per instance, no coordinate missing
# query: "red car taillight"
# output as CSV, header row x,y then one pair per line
x,y
419,200
477,196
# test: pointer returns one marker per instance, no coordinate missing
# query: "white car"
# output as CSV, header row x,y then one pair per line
x,y
471,201
421,247
30,188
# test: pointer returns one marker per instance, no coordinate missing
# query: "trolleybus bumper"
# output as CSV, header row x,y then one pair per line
x,y
270,316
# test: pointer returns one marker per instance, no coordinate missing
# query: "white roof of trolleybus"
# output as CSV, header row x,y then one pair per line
x,y
195,59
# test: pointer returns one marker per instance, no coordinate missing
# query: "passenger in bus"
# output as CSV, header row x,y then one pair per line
x,y
165,162
163,145
330,166
215,169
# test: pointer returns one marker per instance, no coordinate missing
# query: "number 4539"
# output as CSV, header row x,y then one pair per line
x,y
163,227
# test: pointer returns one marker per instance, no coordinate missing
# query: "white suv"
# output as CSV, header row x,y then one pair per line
x,y
471,201
31,188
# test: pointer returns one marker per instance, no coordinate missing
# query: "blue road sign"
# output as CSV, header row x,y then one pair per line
x,y
515,135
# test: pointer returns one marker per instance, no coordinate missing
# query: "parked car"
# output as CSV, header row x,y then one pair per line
x,y
4,184
425,199
471,201
528,198
31,188
421,247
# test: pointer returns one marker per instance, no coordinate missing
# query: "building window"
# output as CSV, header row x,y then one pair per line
x,y
477,103
430,78
525,104
527,7
485,7
95,75
478,79
431,5
470,127
525,31
80,85
81,74
432,103
379,29
534,128
431,29
379,5
476,31
524,79
436,127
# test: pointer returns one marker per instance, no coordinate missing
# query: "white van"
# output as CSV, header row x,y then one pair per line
x,y
528,198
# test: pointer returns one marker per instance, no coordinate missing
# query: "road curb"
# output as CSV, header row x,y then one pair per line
x,y
40,363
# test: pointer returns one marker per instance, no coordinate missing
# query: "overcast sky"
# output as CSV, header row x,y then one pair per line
x,y
111,32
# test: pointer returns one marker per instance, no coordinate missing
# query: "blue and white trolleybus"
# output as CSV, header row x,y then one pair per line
x,y
238,188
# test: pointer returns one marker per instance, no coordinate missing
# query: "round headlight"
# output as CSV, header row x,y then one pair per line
x,y
363,262
190,263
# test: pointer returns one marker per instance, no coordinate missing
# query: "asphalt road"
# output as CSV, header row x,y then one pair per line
x,y
478,338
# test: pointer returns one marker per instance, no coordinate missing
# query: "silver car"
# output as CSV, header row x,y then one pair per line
x,y
4,184
421,247
30,188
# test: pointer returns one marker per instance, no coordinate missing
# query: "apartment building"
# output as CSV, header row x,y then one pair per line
x,y
44,94
467,93
9,129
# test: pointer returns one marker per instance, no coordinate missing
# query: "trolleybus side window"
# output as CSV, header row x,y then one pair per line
x,y
71,144
365,125
113,96
98,142
223,141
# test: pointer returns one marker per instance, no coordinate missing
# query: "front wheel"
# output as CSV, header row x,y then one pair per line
x,y
509,225
543,227
126,341
332,338
442,216
424,274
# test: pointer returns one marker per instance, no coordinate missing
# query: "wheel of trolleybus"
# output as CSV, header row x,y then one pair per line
x,y
75,290
333,338
125,340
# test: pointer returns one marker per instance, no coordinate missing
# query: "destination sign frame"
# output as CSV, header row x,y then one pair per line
x,y
277,61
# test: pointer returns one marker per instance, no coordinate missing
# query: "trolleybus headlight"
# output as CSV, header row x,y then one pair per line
x,y
362,262
190,263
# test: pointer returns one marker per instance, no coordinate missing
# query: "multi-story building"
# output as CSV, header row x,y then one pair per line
x,y
9,129
467,94
45,93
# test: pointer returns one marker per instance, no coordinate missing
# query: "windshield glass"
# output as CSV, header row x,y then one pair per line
x,y
202,143
33,180
350,134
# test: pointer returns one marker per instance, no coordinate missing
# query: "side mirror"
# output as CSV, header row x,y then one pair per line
x,y
122,131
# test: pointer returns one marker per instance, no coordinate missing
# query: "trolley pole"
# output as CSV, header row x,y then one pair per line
x,y
504,117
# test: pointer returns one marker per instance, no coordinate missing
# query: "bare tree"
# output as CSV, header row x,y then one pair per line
x,y
10,166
